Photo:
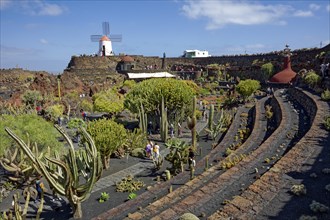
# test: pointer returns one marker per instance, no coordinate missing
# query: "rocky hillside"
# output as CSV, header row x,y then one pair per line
x,y
14,82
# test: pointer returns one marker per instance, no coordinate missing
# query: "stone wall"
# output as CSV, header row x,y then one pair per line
x,y
308,103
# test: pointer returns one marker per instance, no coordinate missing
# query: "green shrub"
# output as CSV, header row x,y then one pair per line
x,y
55,111
138,152
312,79
39,131
76,123
325,96
198,114
108,137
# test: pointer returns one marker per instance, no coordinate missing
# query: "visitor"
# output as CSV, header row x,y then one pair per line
x,y
191,158
156,151
172,130
40,187
179,130
148,149
149,128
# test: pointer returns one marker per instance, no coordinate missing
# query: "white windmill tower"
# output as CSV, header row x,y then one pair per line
x,y
105,45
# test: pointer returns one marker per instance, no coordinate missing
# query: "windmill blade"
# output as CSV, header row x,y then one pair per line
x,y
116,37
95,38
106,28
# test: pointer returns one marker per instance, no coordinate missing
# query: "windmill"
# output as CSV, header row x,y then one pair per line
x,y
105,45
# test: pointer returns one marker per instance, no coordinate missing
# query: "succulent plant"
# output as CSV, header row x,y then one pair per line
x,y
68,183
192,121
163,121
318,207
298,189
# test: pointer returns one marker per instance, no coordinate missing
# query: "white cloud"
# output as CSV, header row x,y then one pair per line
x,y
34,7
221,13
43,41
300,13
328,8
314,7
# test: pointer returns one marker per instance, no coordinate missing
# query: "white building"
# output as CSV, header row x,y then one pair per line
x,y
105,47
195,53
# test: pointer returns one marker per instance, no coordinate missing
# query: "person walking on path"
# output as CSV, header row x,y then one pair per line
x,y
179,130
148,149
156,149
191,158
172,130
40,187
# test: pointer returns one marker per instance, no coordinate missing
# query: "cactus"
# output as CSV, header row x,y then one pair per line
x,y
206,163
217,128
211,116
163,122
143,119
158,162
192,121
168,174
17,209
178,154
16,163
68,184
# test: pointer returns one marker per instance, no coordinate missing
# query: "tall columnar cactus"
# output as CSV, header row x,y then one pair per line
x,y
143,119
211,116
69,184
163,122
192,121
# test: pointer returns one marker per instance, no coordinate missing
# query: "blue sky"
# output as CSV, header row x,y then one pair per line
x,y
44,34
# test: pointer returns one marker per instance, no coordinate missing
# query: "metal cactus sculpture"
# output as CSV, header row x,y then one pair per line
x,y
69,183
192,121
163,122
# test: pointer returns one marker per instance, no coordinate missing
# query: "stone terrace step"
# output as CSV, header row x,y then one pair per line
x,y
261,193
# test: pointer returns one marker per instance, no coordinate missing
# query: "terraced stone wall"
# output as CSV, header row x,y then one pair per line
x,y
250,203
304,100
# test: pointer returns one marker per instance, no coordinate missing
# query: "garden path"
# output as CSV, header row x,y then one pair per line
x,y
135,169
